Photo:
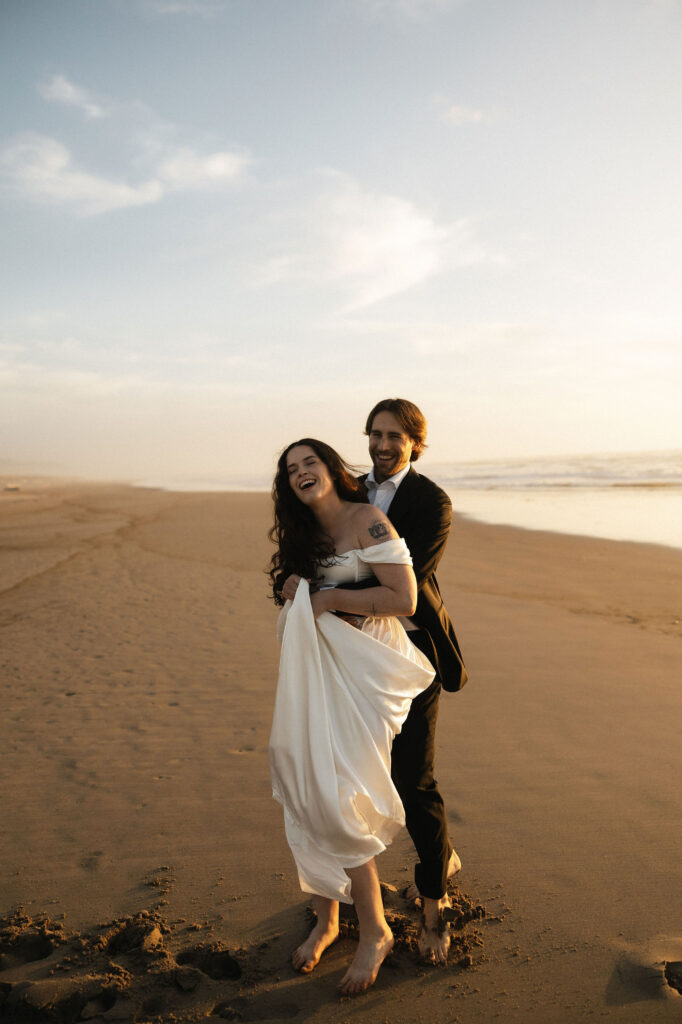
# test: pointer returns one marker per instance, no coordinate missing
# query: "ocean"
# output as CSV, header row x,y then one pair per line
x,y
636,497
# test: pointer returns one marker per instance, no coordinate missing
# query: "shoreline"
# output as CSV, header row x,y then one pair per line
x,y
138,675
648,515
462,498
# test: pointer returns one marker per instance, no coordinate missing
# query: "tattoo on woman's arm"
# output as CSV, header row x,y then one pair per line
x,y
378,529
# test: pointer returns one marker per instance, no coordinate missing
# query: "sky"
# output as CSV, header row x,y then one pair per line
x,y
228,224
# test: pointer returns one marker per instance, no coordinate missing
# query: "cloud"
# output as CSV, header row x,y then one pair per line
x,y
504,340
85,373
458,114
664,7
185,169
202,8
42,169
66,386
370,244
428,339
60,90
415,9
381,244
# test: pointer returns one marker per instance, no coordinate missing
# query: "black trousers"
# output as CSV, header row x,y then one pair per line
x,y
412,760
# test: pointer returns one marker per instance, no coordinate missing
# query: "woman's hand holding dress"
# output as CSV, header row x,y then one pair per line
x,y
291,586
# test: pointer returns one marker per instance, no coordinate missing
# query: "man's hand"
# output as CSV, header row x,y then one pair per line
x,y
291,586
322,601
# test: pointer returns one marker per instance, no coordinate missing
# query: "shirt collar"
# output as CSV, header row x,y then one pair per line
x,y
396,479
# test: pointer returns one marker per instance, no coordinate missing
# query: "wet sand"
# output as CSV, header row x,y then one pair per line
x,y
137,673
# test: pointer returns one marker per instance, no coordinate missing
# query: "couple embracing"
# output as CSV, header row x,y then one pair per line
x,y
367,645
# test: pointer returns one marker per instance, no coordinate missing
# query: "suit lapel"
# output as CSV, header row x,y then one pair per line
x,y
400,509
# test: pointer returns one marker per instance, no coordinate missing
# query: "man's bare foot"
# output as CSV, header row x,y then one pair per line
x,y
454,865
307,956
362,973
434,941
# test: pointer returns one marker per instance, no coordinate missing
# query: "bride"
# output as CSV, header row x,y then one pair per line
x,y
345,686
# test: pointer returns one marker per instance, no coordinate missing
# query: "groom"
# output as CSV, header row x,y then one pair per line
x,y
421,513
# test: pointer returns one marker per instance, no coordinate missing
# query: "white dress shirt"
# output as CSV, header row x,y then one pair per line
x,y
381,495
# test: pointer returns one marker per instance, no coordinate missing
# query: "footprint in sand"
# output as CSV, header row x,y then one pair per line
x,y
673,974
91,861
65,1001
265,1007
213,960
652,970
118,971
24,940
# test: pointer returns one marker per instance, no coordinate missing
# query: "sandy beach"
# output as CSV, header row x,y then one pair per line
x,y
144,873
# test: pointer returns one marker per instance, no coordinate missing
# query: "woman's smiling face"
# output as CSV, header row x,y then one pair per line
x,y
309,476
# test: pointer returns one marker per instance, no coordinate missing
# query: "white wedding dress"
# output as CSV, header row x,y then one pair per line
x,y
343,694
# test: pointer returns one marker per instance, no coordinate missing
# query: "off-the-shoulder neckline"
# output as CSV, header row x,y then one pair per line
x,y
372,547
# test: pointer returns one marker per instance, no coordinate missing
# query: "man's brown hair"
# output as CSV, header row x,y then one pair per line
x,y
410,417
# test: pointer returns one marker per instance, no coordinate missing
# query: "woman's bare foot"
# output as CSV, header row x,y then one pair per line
x,y
362,973
307,956
434,941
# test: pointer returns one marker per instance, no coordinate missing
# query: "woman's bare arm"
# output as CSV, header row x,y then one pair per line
x,y
396,593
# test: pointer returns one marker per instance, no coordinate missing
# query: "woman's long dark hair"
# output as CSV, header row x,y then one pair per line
x,y
301,545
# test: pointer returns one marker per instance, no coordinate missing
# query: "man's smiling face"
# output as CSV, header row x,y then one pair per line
x,y
390,448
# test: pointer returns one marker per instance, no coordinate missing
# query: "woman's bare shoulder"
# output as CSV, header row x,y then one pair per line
x,y
372,526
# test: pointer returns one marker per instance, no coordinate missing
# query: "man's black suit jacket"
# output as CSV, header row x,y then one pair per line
x,y
422,513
